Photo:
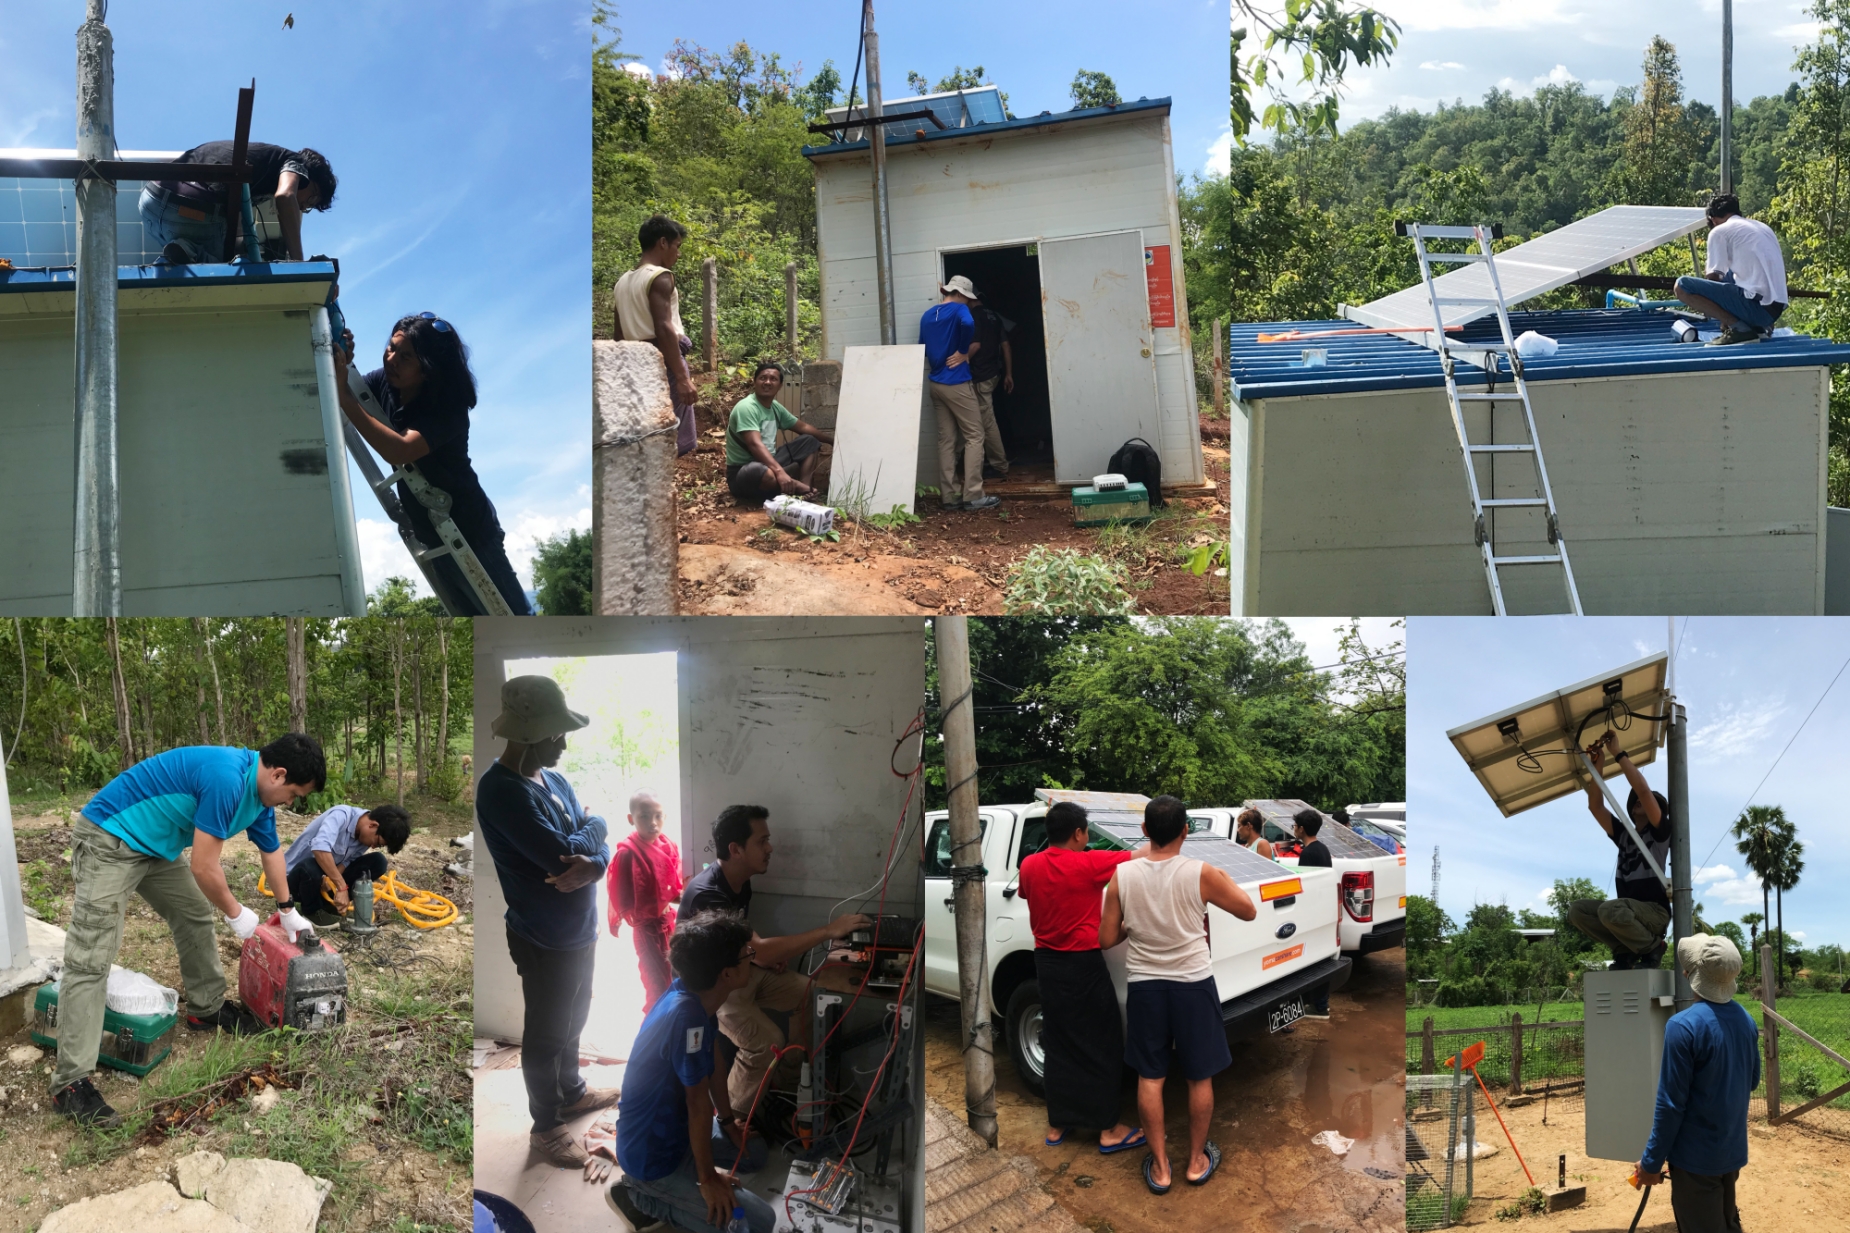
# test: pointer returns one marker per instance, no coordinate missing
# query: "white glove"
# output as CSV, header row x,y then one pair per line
x,y
294,923
244,923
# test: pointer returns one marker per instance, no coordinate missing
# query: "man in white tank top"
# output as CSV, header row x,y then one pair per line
x,y
1248,831
1159,904
648,309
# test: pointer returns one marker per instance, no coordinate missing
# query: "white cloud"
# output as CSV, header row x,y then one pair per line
x,y
383,555
1220,155
1796,934
1559,75
527,527
1723,885
1439,66
636,68
1737,728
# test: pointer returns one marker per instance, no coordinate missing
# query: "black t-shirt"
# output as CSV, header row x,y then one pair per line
x,y
1633,879
445,428
991,328
267,164
709,889
1315,854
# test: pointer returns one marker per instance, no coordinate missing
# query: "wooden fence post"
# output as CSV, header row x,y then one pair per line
x,y
790,309
1219,366
1427,1060
709,303
1769,1035
1516,1054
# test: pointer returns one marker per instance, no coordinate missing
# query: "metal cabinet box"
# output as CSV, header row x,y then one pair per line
x,y
1625,1017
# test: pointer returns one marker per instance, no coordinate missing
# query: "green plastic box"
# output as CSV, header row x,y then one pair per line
x,y
135,1043
1092,508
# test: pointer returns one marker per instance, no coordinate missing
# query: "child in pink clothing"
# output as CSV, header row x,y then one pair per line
x,y
645,884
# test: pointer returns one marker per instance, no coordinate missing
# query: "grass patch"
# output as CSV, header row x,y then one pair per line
x,y
42,890
1444,1017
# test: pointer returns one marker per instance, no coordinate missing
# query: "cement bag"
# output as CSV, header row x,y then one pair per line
x,y
805,516
1476,1151
1533,346
136,993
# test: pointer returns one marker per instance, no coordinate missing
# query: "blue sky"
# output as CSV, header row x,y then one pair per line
x,y
1452,49
461,136
1747,683
1030,48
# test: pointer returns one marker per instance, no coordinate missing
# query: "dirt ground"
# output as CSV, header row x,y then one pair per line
x,y
1344,1075
387,1179
735,562
1796,1178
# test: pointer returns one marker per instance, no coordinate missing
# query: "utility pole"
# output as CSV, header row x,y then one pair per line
x,y
96,559
958,725
1681,926
1727,176
709,307
883,235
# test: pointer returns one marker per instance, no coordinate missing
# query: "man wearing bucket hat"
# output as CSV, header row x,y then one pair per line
x,y
949,331
549,855
1711,1066
1632,923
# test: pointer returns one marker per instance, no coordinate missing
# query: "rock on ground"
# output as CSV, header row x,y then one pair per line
x,y
269,1196
153,1207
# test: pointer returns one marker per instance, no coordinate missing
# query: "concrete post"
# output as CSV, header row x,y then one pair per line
x,y
632,460
1682,924
96,573
967,876
790,309
709,303
1726,181
883,232
1220,371
1516,1054
13,949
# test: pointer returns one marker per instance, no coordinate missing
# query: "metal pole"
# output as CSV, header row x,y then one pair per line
x,y
96,558
1727,176
790,309
1679,847
876,142
967,874
709,305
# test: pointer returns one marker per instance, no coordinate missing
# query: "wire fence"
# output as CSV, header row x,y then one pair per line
x,y
1440,1128
1527,1061
1807,1072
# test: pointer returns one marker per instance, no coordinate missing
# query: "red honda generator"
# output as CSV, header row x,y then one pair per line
x,y
300,984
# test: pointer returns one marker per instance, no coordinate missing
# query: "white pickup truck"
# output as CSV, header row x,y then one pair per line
x,y
1263,968
1373,881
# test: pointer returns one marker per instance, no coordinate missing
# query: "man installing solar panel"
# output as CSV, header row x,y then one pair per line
x,y
1632,924
1746,285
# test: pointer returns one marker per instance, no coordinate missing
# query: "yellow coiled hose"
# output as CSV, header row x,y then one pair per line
x,y
421,909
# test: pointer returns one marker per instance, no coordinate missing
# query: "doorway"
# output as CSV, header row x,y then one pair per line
x,y
1009,281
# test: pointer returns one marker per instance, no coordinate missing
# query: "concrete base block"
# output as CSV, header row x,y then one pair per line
x,y
633,506
1561,1200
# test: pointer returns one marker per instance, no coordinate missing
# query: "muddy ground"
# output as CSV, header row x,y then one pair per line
x,y
1345,1075
735,562
392,1132
1796,1178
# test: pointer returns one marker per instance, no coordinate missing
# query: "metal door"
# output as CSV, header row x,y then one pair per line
x,y
1101,365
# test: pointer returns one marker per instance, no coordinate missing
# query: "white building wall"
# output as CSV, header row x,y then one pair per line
x,y
799,715
1115,173
1699,492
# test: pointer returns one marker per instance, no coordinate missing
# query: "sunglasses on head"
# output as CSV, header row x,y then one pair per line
x,y
437,323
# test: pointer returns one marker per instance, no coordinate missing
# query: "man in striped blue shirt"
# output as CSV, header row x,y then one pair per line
x,y
129,839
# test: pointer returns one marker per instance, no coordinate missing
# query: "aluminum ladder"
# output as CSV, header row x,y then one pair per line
x,y
483,597
1486,355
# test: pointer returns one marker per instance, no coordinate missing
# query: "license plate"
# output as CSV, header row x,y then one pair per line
x,y
1284,1014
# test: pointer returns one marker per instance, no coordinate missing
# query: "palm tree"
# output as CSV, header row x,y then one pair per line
x,y
1786,873
1753,921
1756,834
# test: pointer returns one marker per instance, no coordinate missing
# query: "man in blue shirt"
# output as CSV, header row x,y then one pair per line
x,y
1711,1066
949,333
338,846
128,840
677,1131
549,856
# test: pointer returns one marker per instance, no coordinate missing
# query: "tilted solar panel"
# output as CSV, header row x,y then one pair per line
x,y
1339,839
1536,267
1242,864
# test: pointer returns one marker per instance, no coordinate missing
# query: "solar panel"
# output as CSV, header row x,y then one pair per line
x,y
1541,265
1339,839
955,109
1522,755
1242,864
1106,802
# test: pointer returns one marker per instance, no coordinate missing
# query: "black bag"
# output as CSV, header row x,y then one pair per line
x,y
1138,463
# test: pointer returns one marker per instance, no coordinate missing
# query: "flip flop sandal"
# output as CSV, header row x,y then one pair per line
x,y
1213,1155
1134,1139
1149,1178
1055,1142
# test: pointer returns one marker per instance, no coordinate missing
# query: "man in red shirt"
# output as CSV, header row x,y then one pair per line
x,y
1082,1030
645,885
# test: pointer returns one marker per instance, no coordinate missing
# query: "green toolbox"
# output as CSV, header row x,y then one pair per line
x,y
135,1043
1094,507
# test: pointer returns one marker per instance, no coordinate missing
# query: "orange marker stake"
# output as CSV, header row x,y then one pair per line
x,y
1469,1059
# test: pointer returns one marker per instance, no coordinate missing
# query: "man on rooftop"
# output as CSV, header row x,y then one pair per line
x,y
188,220
1746,285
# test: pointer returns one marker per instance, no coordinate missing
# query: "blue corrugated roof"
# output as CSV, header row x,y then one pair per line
x,y
1594,343
58,278
984,130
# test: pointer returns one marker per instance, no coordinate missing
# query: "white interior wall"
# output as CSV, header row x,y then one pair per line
x,y
799,715
1114,173
227,504
1699,492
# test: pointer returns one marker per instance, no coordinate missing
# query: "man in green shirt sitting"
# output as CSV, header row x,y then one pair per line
x,y
753,470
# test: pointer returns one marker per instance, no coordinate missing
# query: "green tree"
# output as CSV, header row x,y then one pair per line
x,y
562,574
1575,944
1092,89
1753,921
1758,836
1324,36
1788,864
1661,142
959,78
